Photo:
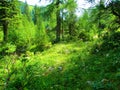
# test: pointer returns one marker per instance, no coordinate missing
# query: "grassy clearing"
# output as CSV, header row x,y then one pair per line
x,y
65,66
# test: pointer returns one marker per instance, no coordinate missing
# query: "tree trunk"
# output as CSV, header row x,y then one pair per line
x,y
58,26
70,29
5,31
62,27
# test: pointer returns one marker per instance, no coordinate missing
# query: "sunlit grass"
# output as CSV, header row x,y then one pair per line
x,y
59,54
62,66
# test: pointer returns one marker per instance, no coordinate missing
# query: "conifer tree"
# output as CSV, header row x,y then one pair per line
x,y
8,9
27,11
40,35
59,6
58,26
36,14
71,6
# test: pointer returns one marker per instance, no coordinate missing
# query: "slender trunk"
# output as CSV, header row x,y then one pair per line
x,y
5,30
70,29
58,27
62,27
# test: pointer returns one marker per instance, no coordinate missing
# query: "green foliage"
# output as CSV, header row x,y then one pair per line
x,y
84,28
83,36
26,11
7,48
23,33
1,36
87,59
112,41
109,42
70,66
8,10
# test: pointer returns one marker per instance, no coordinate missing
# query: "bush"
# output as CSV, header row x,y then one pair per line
x,y
109,42
84,36
22,34
7,48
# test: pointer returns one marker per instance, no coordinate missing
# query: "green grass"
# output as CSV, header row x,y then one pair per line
x,y
1,35
65,66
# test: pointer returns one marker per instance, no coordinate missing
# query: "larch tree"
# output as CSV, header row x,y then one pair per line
x,y
41,36
8,9
109,6
58,26
36,14
71,6
56,6
27,11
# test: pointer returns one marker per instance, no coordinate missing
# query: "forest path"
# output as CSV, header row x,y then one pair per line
x,y
61,53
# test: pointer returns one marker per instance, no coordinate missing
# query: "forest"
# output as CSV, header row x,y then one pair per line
x,y
52,48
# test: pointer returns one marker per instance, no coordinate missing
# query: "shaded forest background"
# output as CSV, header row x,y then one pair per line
x,y
51,48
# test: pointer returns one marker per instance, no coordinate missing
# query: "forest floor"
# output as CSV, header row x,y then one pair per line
x,y
64,66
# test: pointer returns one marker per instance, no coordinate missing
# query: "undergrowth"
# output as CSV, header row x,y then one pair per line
x,y
64,66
